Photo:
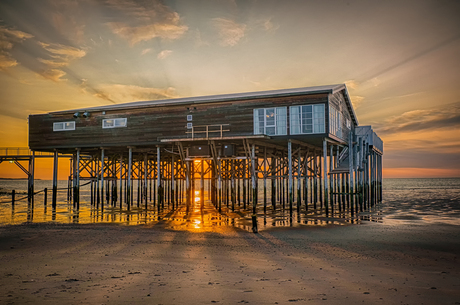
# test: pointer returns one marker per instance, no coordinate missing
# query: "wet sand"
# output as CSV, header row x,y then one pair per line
x,y
372,263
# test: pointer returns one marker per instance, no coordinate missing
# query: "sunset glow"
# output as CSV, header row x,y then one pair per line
x,y
399,61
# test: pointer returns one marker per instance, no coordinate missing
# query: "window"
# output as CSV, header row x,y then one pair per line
x,y
189,117
114,123
307,119
63,126
335,122
348,124
189,125
270,121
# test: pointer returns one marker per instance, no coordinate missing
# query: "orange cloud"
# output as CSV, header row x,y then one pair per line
x,y
130,93
9,37
60,56
52,74
147,32
150,20
447,116
230,32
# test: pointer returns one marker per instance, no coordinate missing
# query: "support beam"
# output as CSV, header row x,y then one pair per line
x,y
254,190
30,192
121,181
102,175
265,179
290,194
351,170
76,191
129,173
325,173
202,186
299,180
173,181
159,188
55,179
146,170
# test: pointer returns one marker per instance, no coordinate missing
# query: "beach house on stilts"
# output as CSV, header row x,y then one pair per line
x,y
302,148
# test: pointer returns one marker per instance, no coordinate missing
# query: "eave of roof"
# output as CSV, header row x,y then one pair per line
x,y
327,89
215,98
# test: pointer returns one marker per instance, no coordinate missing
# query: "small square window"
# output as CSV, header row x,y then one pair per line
x,y
189,117
114,123
189,125
63,126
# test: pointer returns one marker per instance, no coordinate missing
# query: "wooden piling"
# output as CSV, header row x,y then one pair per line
x,y
159,188
254,190
273,183
299,181
325,173
76,192
55,178
290,194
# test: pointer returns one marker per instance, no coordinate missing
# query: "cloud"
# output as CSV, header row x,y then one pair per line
x,y
59,56
447,116
8,38
198,40
63,52
86,88
69,18
6,61
356,100
230,32
163,54
148,20
351,84
130,93
147,32
145,51
52,74
269,26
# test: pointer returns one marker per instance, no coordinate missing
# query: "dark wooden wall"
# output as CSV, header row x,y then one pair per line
x,y
338,101
147,125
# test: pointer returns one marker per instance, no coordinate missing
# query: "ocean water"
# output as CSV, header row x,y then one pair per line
x,y
405,201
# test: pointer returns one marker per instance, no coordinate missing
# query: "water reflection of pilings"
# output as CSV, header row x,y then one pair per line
x,y
202,213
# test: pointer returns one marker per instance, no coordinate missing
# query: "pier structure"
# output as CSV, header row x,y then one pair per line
x,y
296,150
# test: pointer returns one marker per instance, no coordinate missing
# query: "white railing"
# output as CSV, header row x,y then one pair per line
x,y
206,130
21,151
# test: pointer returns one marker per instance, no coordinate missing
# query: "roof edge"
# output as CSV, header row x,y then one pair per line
x,y
215,98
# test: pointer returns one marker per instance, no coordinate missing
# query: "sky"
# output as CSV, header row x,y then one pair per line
x,y
399,59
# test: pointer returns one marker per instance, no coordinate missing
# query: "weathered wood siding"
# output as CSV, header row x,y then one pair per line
x,y
338,101
148,125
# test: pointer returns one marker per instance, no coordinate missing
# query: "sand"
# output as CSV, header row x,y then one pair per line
x,y
371,263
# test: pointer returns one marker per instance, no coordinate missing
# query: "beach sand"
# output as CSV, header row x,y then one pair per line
x,y
371,263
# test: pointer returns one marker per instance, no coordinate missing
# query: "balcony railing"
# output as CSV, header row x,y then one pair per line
x,y
21,151
208,131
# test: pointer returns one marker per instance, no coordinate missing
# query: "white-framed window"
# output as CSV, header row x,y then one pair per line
x,y
63,126
348,124
189,117
335,121
270,121
189,125
114,123
306,119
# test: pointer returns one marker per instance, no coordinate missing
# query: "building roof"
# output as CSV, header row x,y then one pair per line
x,y
227,97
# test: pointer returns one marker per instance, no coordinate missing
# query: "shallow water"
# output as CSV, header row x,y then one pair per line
x,y
412,201
421,201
